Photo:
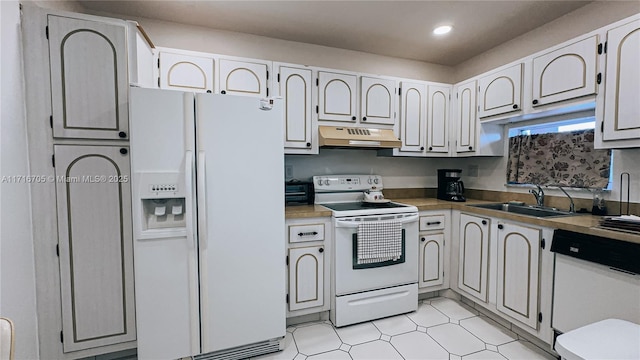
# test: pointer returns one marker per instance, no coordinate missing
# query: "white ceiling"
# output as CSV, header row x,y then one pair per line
x,y
393,28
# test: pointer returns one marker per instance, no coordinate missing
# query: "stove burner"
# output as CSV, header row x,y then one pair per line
x,y
362,206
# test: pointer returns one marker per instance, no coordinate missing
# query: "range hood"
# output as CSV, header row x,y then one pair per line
x,y
344,136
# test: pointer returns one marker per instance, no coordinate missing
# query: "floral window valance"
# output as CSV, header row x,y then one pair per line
x,y
566,158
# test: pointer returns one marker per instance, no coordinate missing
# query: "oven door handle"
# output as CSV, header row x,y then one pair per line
x,y
354,224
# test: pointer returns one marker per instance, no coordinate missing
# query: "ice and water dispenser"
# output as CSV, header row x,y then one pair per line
x,y
163,200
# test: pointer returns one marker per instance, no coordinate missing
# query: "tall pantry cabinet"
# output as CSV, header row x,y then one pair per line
x,y
77,71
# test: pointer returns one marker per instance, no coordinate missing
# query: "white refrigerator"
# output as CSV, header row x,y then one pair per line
x,y
209,242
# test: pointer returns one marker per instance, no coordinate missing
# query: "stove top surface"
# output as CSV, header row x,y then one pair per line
x,y
349,206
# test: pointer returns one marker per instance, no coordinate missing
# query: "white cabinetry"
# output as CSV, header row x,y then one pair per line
x,y
474,255
411,126
433,254
239,76
140,56
517,278
566,73
621,118
377,100
465,117
337,97
89,85
186,72
308,268
500,92
438,119
294,84
95,245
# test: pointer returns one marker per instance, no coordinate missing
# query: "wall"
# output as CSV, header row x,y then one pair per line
x,y
17,272
581,21
196,38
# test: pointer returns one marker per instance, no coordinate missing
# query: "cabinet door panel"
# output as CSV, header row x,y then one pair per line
x,y
89,85
295,88
474,251
377,100
243,78
500,92
565,73
466,117
431,260
306,277
438,119
95,239
336,97
412,117
187,73
622,83
517,283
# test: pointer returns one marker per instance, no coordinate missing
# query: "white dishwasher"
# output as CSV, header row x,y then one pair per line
x,y
595,279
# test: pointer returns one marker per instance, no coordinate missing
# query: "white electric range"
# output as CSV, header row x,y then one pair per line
x,y
375,289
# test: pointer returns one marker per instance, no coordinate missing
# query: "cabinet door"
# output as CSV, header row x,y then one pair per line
x,y
474,249
377,100
336,97
431,260
566,73
186,72
95,243
500,92
438,119
622,84
412,124
89,86
294,85
248,78
306,277
517,283
465,117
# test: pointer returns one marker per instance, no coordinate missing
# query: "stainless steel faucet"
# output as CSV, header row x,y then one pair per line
x,y
539,195
572,207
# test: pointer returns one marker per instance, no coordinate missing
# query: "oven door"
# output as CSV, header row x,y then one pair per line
x,y
351,277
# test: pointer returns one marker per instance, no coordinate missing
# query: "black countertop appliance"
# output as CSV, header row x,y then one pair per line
x,y
450,187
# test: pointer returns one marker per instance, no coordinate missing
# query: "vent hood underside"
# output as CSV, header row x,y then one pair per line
x,y
343,136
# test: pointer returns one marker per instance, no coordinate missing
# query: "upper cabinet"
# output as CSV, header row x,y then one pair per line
x,y
89,85
140,56
294,84
412,123
500,92
377,100
438,119
246,77
337,97
465,122
566,73
621,119
185,72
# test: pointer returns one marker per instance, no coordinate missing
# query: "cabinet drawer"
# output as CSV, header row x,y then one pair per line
x,y
431,222
303,233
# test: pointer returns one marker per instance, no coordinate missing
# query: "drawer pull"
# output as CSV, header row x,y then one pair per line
x,y
434,223
310,233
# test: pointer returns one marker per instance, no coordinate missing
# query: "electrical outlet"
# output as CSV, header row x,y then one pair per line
x,y
288,172
472,170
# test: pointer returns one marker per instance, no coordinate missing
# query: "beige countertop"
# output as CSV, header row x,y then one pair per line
x,y
584,223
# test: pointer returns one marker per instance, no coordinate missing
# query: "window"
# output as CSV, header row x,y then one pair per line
x,y
558,153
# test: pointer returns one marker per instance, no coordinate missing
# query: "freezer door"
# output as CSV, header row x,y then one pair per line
x,y
240,189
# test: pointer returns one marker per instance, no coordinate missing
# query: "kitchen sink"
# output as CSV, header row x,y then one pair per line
x,y
529,210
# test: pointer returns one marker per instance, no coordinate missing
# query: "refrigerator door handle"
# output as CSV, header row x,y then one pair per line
x,y
188,202
202,201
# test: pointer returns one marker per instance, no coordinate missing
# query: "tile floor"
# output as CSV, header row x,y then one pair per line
x,y
441,328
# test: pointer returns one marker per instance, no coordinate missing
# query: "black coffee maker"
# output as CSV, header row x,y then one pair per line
x,y
450,187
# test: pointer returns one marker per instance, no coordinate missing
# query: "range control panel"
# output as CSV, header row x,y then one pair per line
x,y
333,183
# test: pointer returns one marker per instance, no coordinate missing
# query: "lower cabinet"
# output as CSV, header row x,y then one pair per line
x,y
432,261
95,246
308,249
506,267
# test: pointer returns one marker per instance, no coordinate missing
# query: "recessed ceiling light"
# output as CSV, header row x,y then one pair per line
x,y
441,30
